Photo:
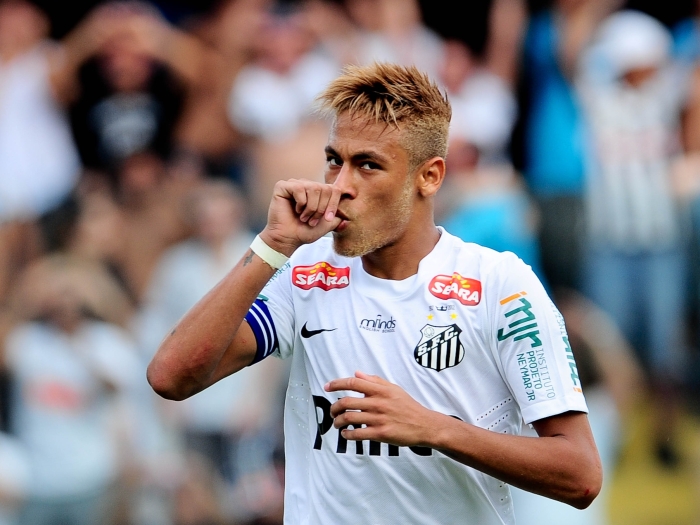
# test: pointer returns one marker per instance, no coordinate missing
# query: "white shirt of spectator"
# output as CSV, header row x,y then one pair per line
x,y
14,478
61,410
39,163
266,104
483,113
420,47
635,135
472,335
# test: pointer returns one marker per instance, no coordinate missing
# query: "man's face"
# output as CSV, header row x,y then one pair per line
x,y
370,166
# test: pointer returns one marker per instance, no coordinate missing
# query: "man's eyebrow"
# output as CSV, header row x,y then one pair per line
x,y
360,155
369,155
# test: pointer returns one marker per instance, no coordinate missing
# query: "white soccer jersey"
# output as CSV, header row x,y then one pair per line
x,y
472,335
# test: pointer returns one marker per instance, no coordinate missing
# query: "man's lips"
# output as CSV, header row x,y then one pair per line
x,y
343,223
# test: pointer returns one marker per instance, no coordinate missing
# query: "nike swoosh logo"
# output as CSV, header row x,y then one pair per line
x,y
310,333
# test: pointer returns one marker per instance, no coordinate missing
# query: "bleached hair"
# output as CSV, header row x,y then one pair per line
x,y
398,96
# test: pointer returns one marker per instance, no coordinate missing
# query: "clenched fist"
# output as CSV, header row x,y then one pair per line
x,y
301,212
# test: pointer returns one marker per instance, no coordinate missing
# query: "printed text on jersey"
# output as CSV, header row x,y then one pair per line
x,y
320,275
467,291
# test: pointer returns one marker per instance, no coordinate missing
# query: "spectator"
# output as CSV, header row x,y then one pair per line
x,y
392,31
484,198
39,163
271,102
230,31
150,221
218,423
124,75
636,268
38,160
272,96
686,38
686,35
186,271
483,105
123,223
129,227
68,368
554,140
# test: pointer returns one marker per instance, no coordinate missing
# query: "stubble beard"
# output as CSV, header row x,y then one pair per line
x,y
364,241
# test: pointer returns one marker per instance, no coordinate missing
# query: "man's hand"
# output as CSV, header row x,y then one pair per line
x,y
389,413
301,212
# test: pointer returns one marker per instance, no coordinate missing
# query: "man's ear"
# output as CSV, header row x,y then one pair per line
x,y
430,176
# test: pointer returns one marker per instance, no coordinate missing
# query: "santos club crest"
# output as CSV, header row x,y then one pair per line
x,y
439,347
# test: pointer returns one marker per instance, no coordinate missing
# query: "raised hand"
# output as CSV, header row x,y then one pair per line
x,y
389,413
301,212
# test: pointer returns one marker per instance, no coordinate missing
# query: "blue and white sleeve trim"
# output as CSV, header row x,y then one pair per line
x,y
260,320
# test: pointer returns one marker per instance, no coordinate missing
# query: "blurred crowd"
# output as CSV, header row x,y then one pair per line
x,y
137,157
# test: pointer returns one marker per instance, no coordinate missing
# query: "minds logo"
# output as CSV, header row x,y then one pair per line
x,y
378,324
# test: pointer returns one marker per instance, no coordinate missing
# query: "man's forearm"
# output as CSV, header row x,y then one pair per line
x,y
201,349
209,343
562,464
564,467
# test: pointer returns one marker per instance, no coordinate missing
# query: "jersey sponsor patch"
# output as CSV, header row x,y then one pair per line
x,y
324,423
377,324
467,291
522,325
439,347
320,275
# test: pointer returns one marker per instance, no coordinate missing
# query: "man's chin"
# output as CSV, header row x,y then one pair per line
x,y
345,247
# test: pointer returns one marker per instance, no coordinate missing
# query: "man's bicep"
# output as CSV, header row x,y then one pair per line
x,y
258,337
573,463
571,425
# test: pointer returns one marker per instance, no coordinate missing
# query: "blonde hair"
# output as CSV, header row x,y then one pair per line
x,y
395,95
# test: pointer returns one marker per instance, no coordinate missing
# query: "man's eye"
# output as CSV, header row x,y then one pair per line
x,y
332,161
368,166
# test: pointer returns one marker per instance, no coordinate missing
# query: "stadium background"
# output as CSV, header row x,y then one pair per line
x,y
160,152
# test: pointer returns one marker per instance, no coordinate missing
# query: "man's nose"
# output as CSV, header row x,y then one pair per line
x,y
344,181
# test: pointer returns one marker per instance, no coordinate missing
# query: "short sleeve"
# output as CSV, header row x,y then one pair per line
x,y
530,341
271,317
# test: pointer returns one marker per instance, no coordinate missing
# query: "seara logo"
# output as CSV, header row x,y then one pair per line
x,y
466,291
320,275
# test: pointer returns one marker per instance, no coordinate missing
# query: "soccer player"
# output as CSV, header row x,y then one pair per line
x,y
415,356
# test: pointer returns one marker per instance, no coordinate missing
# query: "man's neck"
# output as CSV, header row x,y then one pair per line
x,y
400,259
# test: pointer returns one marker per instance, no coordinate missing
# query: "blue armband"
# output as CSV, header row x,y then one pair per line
x,y
260,320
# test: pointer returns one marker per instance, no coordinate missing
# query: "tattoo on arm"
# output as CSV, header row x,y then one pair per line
x,y
248,258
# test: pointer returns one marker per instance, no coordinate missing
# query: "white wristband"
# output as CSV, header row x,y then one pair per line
x,y
267,254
